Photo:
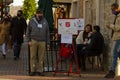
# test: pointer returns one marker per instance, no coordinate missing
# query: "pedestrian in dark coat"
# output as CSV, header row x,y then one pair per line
x,y
18,29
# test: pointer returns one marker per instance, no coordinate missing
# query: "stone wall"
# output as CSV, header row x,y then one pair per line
x,y
14,9
100,15
107,19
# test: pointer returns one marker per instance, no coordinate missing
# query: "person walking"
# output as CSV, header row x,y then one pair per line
x,y
115,27
38,36
5,25
18,29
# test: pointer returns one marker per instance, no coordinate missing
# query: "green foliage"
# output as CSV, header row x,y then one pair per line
x,y
29,8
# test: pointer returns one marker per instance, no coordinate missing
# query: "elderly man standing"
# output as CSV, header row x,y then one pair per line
x,y
38,36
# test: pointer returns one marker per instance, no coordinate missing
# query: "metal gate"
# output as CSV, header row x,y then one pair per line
x,y
51,56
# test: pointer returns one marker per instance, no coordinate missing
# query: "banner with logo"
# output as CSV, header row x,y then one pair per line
x,y
70,26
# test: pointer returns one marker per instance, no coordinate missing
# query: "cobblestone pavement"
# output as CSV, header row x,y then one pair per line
x,y
18,70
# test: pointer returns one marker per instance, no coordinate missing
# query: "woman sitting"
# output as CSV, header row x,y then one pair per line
x,y
81,41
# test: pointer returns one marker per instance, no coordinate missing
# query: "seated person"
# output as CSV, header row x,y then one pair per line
x,y
95,47
96,43
81,41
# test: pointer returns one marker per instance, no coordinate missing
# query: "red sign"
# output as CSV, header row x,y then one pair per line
x,y
67,24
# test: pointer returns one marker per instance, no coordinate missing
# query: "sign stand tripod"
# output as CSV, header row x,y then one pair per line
x,y
73,51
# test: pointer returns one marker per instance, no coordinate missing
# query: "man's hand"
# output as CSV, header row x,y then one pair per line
x,y
24,35
83,48
48,47
108,26
29,43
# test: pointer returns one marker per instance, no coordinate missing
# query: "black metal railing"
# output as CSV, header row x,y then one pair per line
x,y
51,55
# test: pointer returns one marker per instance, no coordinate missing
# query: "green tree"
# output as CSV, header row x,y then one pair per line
x,y
29,8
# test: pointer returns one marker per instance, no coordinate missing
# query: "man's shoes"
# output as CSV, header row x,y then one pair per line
x,y
40,74
111,74
36,74
32,74
16,58
4,56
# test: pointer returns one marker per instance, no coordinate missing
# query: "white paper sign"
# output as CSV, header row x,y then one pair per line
x,y
80,23
66,38
70,26
67,26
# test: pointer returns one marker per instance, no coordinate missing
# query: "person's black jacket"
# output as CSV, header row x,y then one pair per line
x,y
96,43
18,28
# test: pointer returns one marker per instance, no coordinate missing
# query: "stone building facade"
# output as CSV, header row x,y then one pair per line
x,y
14,9
96,12
4,7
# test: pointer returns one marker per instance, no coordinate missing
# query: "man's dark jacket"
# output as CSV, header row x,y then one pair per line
x,y
95,46
97,41
18,28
